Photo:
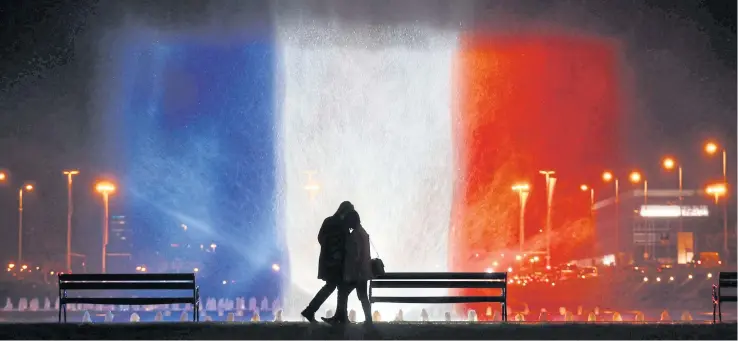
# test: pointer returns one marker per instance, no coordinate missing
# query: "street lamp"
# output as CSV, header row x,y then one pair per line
x,y
712,148
585,188
669,164
25,188
105,188
70,209
523,190
3,176
636,177
717,191
550,183
607,176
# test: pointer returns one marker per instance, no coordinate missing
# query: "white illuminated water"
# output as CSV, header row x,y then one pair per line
x,y
367,112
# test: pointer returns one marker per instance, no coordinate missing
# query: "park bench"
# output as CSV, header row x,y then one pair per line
x,y
725,280
448,280
115,283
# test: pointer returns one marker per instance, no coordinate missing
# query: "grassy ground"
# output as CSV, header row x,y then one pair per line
x,y
387,331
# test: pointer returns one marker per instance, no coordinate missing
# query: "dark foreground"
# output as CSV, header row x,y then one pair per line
x,y
387,331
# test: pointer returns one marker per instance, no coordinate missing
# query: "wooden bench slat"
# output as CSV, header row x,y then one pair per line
x,y
127,300
127,286
728,276
728,284
125,277
438,299
438,284
727,299
443,276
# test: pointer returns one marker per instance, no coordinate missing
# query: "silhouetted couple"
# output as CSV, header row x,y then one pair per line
x,y
344,264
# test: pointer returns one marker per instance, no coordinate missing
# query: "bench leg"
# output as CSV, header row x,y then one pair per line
x,y
60,309
714,312
720,311
65,313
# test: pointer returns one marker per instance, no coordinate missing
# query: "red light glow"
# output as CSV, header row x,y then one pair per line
x,y
530,102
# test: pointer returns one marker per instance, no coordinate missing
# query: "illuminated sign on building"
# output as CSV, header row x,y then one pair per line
x,y
673,211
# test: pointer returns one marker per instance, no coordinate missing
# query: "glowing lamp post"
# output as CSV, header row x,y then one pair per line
x,y
669,164
586,188
716,191
712,148
636,177
105,188
523,190
607,176
3,176
550,183
70,209
25,188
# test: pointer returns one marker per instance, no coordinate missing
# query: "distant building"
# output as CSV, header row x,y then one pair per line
x,y
658,226
120,246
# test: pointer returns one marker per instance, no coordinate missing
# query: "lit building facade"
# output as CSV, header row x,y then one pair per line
x,y
657,226
120,245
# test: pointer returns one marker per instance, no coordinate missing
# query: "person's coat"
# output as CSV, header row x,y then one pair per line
x,y
332,239
357,266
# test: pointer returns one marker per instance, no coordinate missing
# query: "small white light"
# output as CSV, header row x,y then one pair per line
x,y
709,275
671,278
658,279
690,276
645,279
224,282
488,270
509,269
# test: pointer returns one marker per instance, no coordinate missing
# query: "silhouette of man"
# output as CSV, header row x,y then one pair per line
x,y
332,239
357,271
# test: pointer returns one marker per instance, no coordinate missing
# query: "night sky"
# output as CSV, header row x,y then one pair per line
x,y
682,55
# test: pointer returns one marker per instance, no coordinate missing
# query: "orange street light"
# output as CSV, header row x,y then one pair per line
x,y
25,188
585,188
105,188
70,211
522,189
607,176
635,177
716,190
3,176
711,148
668,163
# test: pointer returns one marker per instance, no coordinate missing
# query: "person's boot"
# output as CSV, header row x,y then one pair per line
x,y
334,320
309,315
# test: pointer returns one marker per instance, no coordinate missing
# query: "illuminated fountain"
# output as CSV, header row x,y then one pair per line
x,y
369,118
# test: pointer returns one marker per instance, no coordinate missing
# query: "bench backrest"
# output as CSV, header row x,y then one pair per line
x,y
127,282
727,280
447,280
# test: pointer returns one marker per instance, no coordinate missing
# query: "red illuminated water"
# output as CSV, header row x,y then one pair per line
x,y
531,102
